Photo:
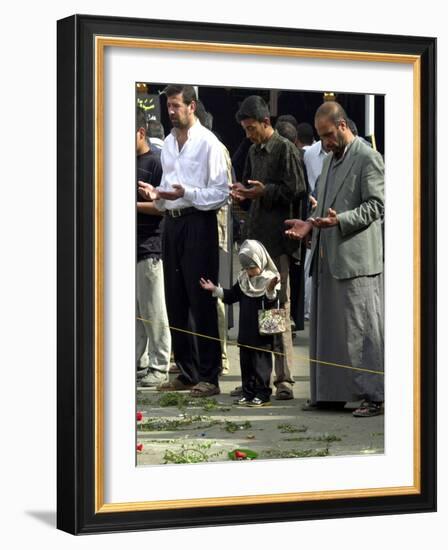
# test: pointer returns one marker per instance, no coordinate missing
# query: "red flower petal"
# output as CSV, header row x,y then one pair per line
x,y
139,447
139,416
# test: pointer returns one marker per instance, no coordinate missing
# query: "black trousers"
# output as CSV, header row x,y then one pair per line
x,y
256,370
190,251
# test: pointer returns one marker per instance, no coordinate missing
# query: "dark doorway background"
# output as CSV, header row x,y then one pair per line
x,y
223,103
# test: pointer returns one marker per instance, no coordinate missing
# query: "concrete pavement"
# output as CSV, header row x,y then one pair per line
x,y
192,430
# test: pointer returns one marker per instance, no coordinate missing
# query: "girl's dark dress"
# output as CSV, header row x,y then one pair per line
x,y
256,364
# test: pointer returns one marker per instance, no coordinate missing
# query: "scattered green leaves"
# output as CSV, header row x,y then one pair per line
x,y
233,427
328,438
159,441
190,453
142,400
295,453
297,439
289,428
173,399
172,424
182,401
206,403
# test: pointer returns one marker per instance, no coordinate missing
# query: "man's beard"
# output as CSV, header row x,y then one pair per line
x,y
339,151
178,123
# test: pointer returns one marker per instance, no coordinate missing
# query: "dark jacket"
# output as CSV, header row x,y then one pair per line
x,y
248,333
277,165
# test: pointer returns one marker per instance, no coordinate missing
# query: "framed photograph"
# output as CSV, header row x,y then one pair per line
x,y
102,485
176,427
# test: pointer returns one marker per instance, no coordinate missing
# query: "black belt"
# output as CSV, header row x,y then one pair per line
x,y
179,212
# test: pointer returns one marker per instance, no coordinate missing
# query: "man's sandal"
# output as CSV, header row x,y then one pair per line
x,y
204,389
367,409
284,392
174,385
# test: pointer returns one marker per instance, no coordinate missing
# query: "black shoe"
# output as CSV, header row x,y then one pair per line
x,y
257,402
243,401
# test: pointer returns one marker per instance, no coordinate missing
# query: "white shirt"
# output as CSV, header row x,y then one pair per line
x,y
200,167
313,159
156,143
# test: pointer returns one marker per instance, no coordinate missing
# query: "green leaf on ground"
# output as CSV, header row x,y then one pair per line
x,y
233,427
190,453
295,453
172,424
289,428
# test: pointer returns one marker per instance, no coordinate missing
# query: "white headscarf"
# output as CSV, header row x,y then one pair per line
x,y
253,253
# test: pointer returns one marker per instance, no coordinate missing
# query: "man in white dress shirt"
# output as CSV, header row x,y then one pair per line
x,y
194,186
313,159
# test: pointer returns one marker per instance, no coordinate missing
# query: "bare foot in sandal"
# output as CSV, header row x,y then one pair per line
x,y
367,409
284,391
204,389
174,385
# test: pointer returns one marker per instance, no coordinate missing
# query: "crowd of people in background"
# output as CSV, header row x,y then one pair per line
x,y
311,244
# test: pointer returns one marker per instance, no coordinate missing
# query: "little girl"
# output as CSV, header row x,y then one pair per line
x,y
255,289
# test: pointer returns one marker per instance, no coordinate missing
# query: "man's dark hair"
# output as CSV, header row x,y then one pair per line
x,y
352,126
155,129
205,118
287,118
254,107
333,110
140,119
305,133
287,130
187,91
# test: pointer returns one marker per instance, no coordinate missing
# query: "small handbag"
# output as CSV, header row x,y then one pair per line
x,y
271,321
